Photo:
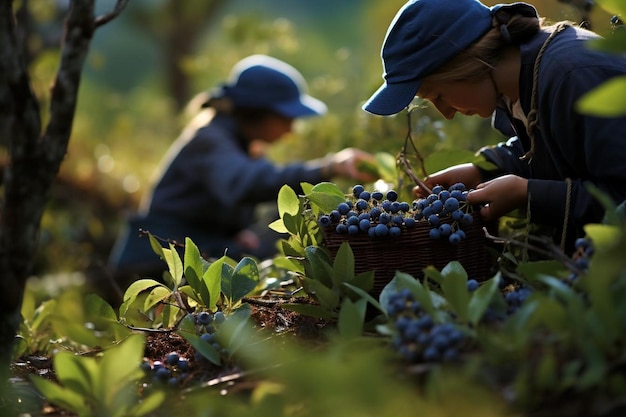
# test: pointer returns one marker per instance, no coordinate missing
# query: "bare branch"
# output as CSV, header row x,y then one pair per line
x,y
106,18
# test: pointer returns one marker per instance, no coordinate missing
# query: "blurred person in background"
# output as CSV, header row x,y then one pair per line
x,y
212,180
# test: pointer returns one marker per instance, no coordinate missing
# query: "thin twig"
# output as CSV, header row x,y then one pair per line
x,y
106,18
553,251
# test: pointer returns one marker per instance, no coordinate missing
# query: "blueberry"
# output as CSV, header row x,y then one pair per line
x,y
162,374
455,238
365,195
384,218
145,365
353,229
341,229
219,317
335,216
357,190
444,195
377,195
451,204
445,230
467,219
392,195
395,231
343,208
472,285
172,359
409,222
364,224
354,220
437,189
437,206
434,233
207,337
381,230
183,364
324,221
404,206
433,219
205,318
361,205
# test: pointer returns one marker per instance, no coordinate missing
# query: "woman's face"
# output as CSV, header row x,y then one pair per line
x,y
465,97
273,127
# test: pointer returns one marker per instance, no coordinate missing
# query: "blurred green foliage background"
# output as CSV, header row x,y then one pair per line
x,y
146,65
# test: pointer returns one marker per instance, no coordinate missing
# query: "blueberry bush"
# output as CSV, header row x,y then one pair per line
x,y
305,335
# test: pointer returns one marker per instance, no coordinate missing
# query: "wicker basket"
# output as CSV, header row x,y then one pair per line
x,y
414,250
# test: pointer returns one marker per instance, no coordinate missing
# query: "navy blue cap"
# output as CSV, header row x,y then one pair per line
x,y
424,35
261,81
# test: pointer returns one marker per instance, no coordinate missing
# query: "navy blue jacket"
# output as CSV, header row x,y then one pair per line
x,y
208,190
583,148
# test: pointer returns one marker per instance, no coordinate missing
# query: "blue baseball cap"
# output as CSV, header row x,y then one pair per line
x,y
424,35
261,81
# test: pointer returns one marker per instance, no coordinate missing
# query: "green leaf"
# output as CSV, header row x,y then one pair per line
x,y
61,396
454,287
343,266
365,280
244,280
326,196
481,299
156,246
614,44
288,202
320,265
194,269
175,265
140,286
213,281
420,292
351,317
292,223
278,226
607,100
204,348
112,376
326,297
77,373
157,295
148,404
365,295
386,163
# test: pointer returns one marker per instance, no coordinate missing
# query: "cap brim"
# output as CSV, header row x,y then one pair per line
x,y
305,106
392,98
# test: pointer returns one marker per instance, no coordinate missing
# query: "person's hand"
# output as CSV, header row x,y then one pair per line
x,y
247,239
500,196
345,163
468,174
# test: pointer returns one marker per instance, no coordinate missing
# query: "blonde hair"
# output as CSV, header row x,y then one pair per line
x,y
476,62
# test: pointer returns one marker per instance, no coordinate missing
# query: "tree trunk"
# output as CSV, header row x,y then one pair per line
x,y
34,155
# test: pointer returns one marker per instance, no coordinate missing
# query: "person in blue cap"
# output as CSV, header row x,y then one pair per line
x,y
504,62
211,179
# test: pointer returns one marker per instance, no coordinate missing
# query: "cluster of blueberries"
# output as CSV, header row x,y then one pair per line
x,y
442,203
171,371
174,368
381,214
419,338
